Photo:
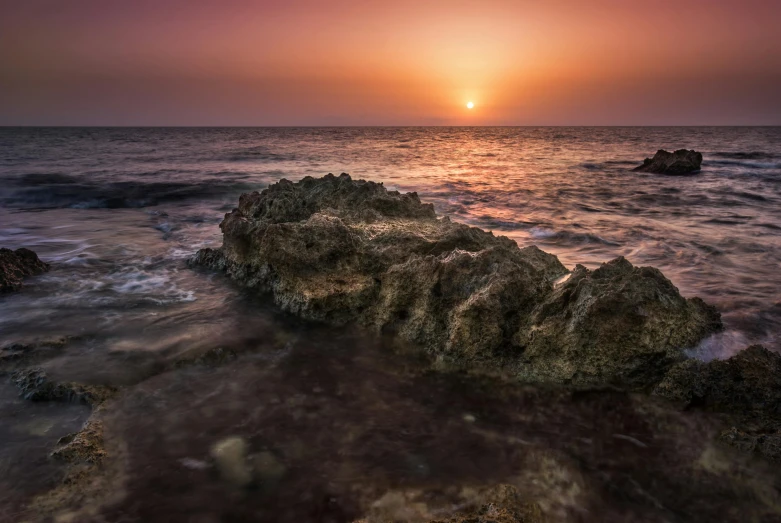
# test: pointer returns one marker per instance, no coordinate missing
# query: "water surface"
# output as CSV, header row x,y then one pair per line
x,y
118,211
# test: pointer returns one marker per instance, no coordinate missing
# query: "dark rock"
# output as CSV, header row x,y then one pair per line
x,y
17,355
15,352
35,385
745,387
338,250
682,161
16,265
748,381
765,443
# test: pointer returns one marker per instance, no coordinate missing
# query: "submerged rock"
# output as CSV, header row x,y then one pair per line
x,y
230,457
339,250
16,265
35,385
682,161
499,504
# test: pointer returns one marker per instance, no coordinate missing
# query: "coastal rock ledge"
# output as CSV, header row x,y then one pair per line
x,y
349,251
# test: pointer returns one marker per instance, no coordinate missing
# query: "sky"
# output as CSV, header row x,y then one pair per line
x,y
400,62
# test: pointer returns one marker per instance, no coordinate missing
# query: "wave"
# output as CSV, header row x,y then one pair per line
x,y
118,195
755,155
595,166
569,237
260,153
739,163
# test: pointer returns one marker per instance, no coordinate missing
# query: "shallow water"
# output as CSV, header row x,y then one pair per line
x,y
117,212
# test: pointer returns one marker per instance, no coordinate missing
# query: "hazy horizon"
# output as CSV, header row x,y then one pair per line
x,y
370,126
350,63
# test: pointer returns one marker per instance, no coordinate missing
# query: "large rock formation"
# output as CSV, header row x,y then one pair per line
x,y
682,161
16,265
338,250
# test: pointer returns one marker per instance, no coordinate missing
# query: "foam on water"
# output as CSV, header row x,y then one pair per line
x,y
117,211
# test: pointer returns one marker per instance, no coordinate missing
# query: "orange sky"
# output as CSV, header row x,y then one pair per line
x,y
365,62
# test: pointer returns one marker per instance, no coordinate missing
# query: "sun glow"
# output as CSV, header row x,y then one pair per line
x,y
470,105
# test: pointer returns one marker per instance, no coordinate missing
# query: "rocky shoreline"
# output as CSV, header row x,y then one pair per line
x,y
538,347
341,251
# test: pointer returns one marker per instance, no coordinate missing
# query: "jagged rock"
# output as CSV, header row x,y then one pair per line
x,y
746,387
338,250
748,381
16,265
85,445
682,161
35,385
766,443
616,325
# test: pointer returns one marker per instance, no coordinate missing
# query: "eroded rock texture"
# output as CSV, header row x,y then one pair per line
x,y
745,387
17,265
35,385
339,250
682,161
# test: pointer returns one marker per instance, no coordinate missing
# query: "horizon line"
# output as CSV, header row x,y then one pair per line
x,y
69,126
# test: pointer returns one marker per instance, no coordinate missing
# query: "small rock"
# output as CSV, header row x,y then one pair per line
x,y
83,446
268,469
682,161
16,265
230,456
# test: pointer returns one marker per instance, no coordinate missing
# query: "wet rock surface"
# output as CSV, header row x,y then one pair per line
x,y
30,432
338,250
305,422
746,388
329,425
35,385
86,482
616,325
17,265
682,161
330,434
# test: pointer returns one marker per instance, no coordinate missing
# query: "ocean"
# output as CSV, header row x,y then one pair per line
x,y
118,211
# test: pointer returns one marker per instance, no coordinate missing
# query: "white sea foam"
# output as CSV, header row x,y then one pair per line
x,y
720,346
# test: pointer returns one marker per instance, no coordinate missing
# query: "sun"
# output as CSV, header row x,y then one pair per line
x,y
470,105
